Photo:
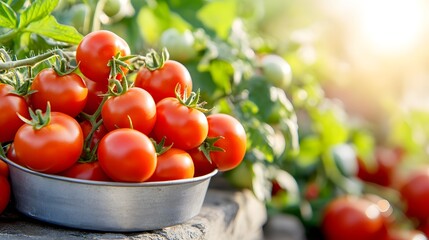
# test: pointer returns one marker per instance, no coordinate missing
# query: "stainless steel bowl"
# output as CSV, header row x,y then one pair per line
x,y
106,206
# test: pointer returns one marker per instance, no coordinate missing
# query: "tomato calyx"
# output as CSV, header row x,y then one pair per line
x,y
209,146
154,61
63,68
191,101
160,147
38,119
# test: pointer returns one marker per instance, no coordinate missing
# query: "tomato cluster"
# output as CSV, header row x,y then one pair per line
x,y
94,123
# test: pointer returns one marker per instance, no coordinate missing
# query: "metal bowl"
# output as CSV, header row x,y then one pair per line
x,y
106,206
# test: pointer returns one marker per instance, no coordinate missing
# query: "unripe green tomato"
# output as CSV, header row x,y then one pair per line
x,y
112,7
179,45
276,70
79,13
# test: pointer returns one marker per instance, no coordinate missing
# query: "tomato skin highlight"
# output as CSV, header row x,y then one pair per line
x,y
352,218
184,127
95,51
87,171
136,105
66,94
10,105
162,82
127,155
233,141
5,192
51,149
172,165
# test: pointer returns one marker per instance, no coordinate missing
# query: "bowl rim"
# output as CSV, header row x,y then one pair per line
x,y
112,183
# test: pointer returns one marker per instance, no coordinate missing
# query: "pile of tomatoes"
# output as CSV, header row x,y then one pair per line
x,y
93,123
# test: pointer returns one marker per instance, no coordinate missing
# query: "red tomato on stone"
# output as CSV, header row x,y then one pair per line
x,y
10,105
96,50
173,164
182,126
66,94
135,107
51,149
161,83
95,92
86,171
233,141
352,218
415,194
4,193
127,155
201,163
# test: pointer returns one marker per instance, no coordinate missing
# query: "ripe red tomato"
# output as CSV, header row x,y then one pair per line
x,y
233,141
4,169
161,83
182,126
94,98
86,171
96,50
10,105
97,135
127,155
415,194
386,162
4,193
51,149
352,218
201,163
136,105
66,94
172,165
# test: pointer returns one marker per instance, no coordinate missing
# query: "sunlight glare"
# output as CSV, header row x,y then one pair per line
x,y
391,26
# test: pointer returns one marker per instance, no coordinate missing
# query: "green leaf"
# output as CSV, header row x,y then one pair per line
x,y
38,10
218,16
7,16
16,5
49,27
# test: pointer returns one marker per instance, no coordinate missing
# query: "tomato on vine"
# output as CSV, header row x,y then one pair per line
x,y
50,142
414,191
96,50
161,80
354,218
66,92
11,104
181,121
127,155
